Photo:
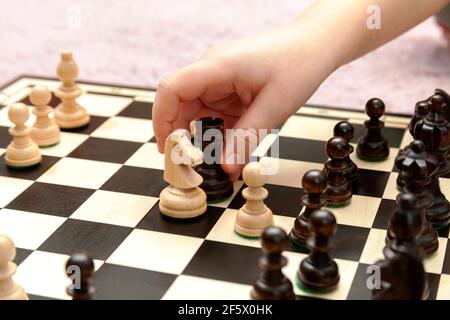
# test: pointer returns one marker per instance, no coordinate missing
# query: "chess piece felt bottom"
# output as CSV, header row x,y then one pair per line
x,y
9,290
182,203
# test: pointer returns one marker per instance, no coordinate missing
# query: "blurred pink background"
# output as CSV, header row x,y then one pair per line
x,y
136,42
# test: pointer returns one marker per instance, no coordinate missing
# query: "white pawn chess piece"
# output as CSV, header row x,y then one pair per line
x,y
183,198
69,114
22,151
45,132
9,290
254,216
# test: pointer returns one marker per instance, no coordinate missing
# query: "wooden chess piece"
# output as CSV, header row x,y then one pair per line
x,y
272,284
182,199
373,146
254,216
446,98
338,191
216,183
9,290
22,152
45,132
345,130
80,269
69,114
415,165
314,183
420,112
318,271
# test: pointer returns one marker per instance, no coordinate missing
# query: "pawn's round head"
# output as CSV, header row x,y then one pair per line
x,y
375,108
417,146
253,175
323,223
337,148
18,113
314,181
422,107
66,55
7,250
436,103
345,130
40,96
83,263
274,239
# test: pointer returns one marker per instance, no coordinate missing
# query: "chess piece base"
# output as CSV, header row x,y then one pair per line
x,y
370,151
216,183
263,291
71,120
23,157
337,197
45,137
324,279
182,203
251,224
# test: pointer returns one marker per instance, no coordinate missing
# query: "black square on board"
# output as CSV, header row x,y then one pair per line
x,y
197,227
94,123
140,181
384,213
370,183
116,151
5,137
138,109
349,242
114,282
226,262
21,255
299,149
96,239
31,173
52,199
359,289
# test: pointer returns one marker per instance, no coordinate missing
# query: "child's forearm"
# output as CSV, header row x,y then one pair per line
x,y
342,24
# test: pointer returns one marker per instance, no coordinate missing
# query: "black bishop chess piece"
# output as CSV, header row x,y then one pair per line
x,y
318,271
272,284
403,276
373,146
338,192
434,131
415,166
345,130
314,183
80,269
216,183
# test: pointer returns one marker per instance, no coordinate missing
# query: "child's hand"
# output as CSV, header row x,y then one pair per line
x,y
253,83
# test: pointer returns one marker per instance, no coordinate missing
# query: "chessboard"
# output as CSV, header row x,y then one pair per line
x,y
97,192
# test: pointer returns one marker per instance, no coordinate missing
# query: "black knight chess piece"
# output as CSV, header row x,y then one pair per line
x,y
272,284
314,183
434,131
318,271
80,268
373,146
216,183
345,130
415,166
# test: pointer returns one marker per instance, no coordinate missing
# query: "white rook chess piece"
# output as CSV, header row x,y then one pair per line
x,y
22,151
254,216
45,131
69,114
9,290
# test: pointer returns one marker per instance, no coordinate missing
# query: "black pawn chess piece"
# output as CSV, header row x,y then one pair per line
x,y
318,271
415,166
216,183
272,284
345,130
373,146
435,134
80,268
314,183
338,191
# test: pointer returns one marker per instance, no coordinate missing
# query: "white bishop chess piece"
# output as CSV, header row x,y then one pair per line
x,y
45,132
182,199
69,114
9,290
254,216
22,152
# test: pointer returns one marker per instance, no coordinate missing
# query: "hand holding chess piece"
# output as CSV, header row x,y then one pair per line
x,y
183,198
69,114
22,152
45,132
9,290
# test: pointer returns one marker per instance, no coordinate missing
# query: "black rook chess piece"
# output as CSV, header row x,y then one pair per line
x,y
345,130
318,271
314,183
272,283
338,191
80,268
373,146
216,183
